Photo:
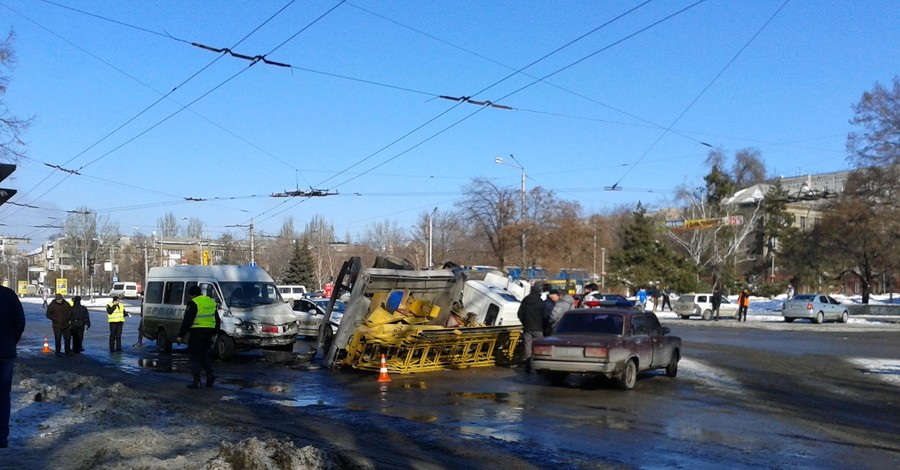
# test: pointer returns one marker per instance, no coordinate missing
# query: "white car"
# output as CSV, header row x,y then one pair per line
x,y
700,305
292,293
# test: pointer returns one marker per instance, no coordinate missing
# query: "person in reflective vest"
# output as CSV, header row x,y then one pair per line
x,y
115,314
202,321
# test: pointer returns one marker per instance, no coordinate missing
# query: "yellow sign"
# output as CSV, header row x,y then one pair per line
x,y
23,287
62,286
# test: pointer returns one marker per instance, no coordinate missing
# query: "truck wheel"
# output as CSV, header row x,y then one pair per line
x,y
327,339
224,347
845,317
629,375
672,368
163,344
820,318
707,315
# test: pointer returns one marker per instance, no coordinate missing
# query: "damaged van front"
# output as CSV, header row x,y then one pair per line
x,y
253,314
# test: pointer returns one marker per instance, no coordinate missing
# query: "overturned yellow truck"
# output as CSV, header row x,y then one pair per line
x,y
416,319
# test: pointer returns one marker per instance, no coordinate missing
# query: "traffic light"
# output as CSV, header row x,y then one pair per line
x,y
6,169
91,264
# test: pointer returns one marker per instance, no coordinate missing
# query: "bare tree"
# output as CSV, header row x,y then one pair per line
x,y
877,143
748,168
90,237
384,238
194,228
492,213
167,225
12,147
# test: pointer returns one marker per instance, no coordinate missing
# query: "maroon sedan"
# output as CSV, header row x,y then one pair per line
x,y
616,342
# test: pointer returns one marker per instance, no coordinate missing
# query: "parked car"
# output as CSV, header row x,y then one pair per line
x,y
816,307
291,293
700,305
310,313
616,342
604,297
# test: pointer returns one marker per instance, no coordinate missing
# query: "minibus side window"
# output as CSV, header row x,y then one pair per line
x,y
154,292
174,293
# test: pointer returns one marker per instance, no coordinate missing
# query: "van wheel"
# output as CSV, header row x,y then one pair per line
x,y
225,347
163,344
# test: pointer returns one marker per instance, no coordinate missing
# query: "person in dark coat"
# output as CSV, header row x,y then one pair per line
x,y
531,314
12,324
716,303
60,313
81,322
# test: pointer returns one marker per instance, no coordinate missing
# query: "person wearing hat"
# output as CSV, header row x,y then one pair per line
x,y
115,314
60,313
549,303
81,322
201,319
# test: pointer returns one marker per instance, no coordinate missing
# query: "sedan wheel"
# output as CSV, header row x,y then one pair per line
x,y
672,368
845,317
788,319
629,376
820,318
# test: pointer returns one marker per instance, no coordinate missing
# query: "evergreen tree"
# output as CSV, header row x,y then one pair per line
x,y
645,260
300,268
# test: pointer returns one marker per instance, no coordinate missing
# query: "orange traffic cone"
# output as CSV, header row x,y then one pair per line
x,y
46,346
383,374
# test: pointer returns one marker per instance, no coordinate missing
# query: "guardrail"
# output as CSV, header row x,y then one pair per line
x,y
864,309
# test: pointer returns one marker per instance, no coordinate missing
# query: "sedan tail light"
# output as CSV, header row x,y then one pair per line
x,y
809,306
541,350
596,351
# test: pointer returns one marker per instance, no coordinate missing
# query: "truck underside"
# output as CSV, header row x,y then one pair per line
x,y
415,319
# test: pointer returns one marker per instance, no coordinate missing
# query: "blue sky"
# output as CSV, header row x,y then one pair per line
x,y
358,111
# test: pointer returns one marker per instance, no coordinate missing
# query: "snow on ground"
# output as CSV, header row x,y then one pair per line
x,y
93,424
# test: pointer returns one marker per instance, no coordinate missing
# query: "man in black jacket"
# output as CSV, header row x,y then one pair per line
x,y
531,314
12,324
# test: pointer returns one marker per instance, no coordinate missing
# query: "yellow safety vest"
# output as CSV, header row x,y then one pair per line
x,y
206,312
118,315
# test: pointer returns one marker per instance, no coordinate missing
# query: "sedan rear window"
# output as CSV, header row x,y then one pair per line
x,y
805,297
597,323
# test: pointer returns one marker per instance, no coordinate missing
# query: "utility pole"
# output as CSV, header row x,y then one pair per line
x,y
602,269
430,261
499,160
252,246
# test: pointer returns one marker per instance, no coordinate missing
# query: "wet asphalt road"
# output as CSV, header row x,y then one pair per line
x,y
752,395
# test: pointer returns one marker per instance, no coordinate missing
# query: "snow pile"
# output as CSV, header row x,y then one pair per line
x,y
273,454
66,420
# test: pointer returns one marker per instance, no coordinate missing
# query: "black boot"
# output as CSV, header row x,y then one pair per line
x,y
195,385
210,379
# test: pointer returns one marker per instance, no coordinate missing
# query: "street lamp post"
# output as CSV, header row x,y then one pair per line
x,y
602,269
499,160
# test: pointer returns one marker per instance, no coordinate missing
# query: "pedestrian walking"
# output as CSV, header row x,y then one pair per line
x,y
115,315
202,321
44,296
654,296
790,292
531,314
60,314
716,303
140,339
12,324
743,304
666,299
81,322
